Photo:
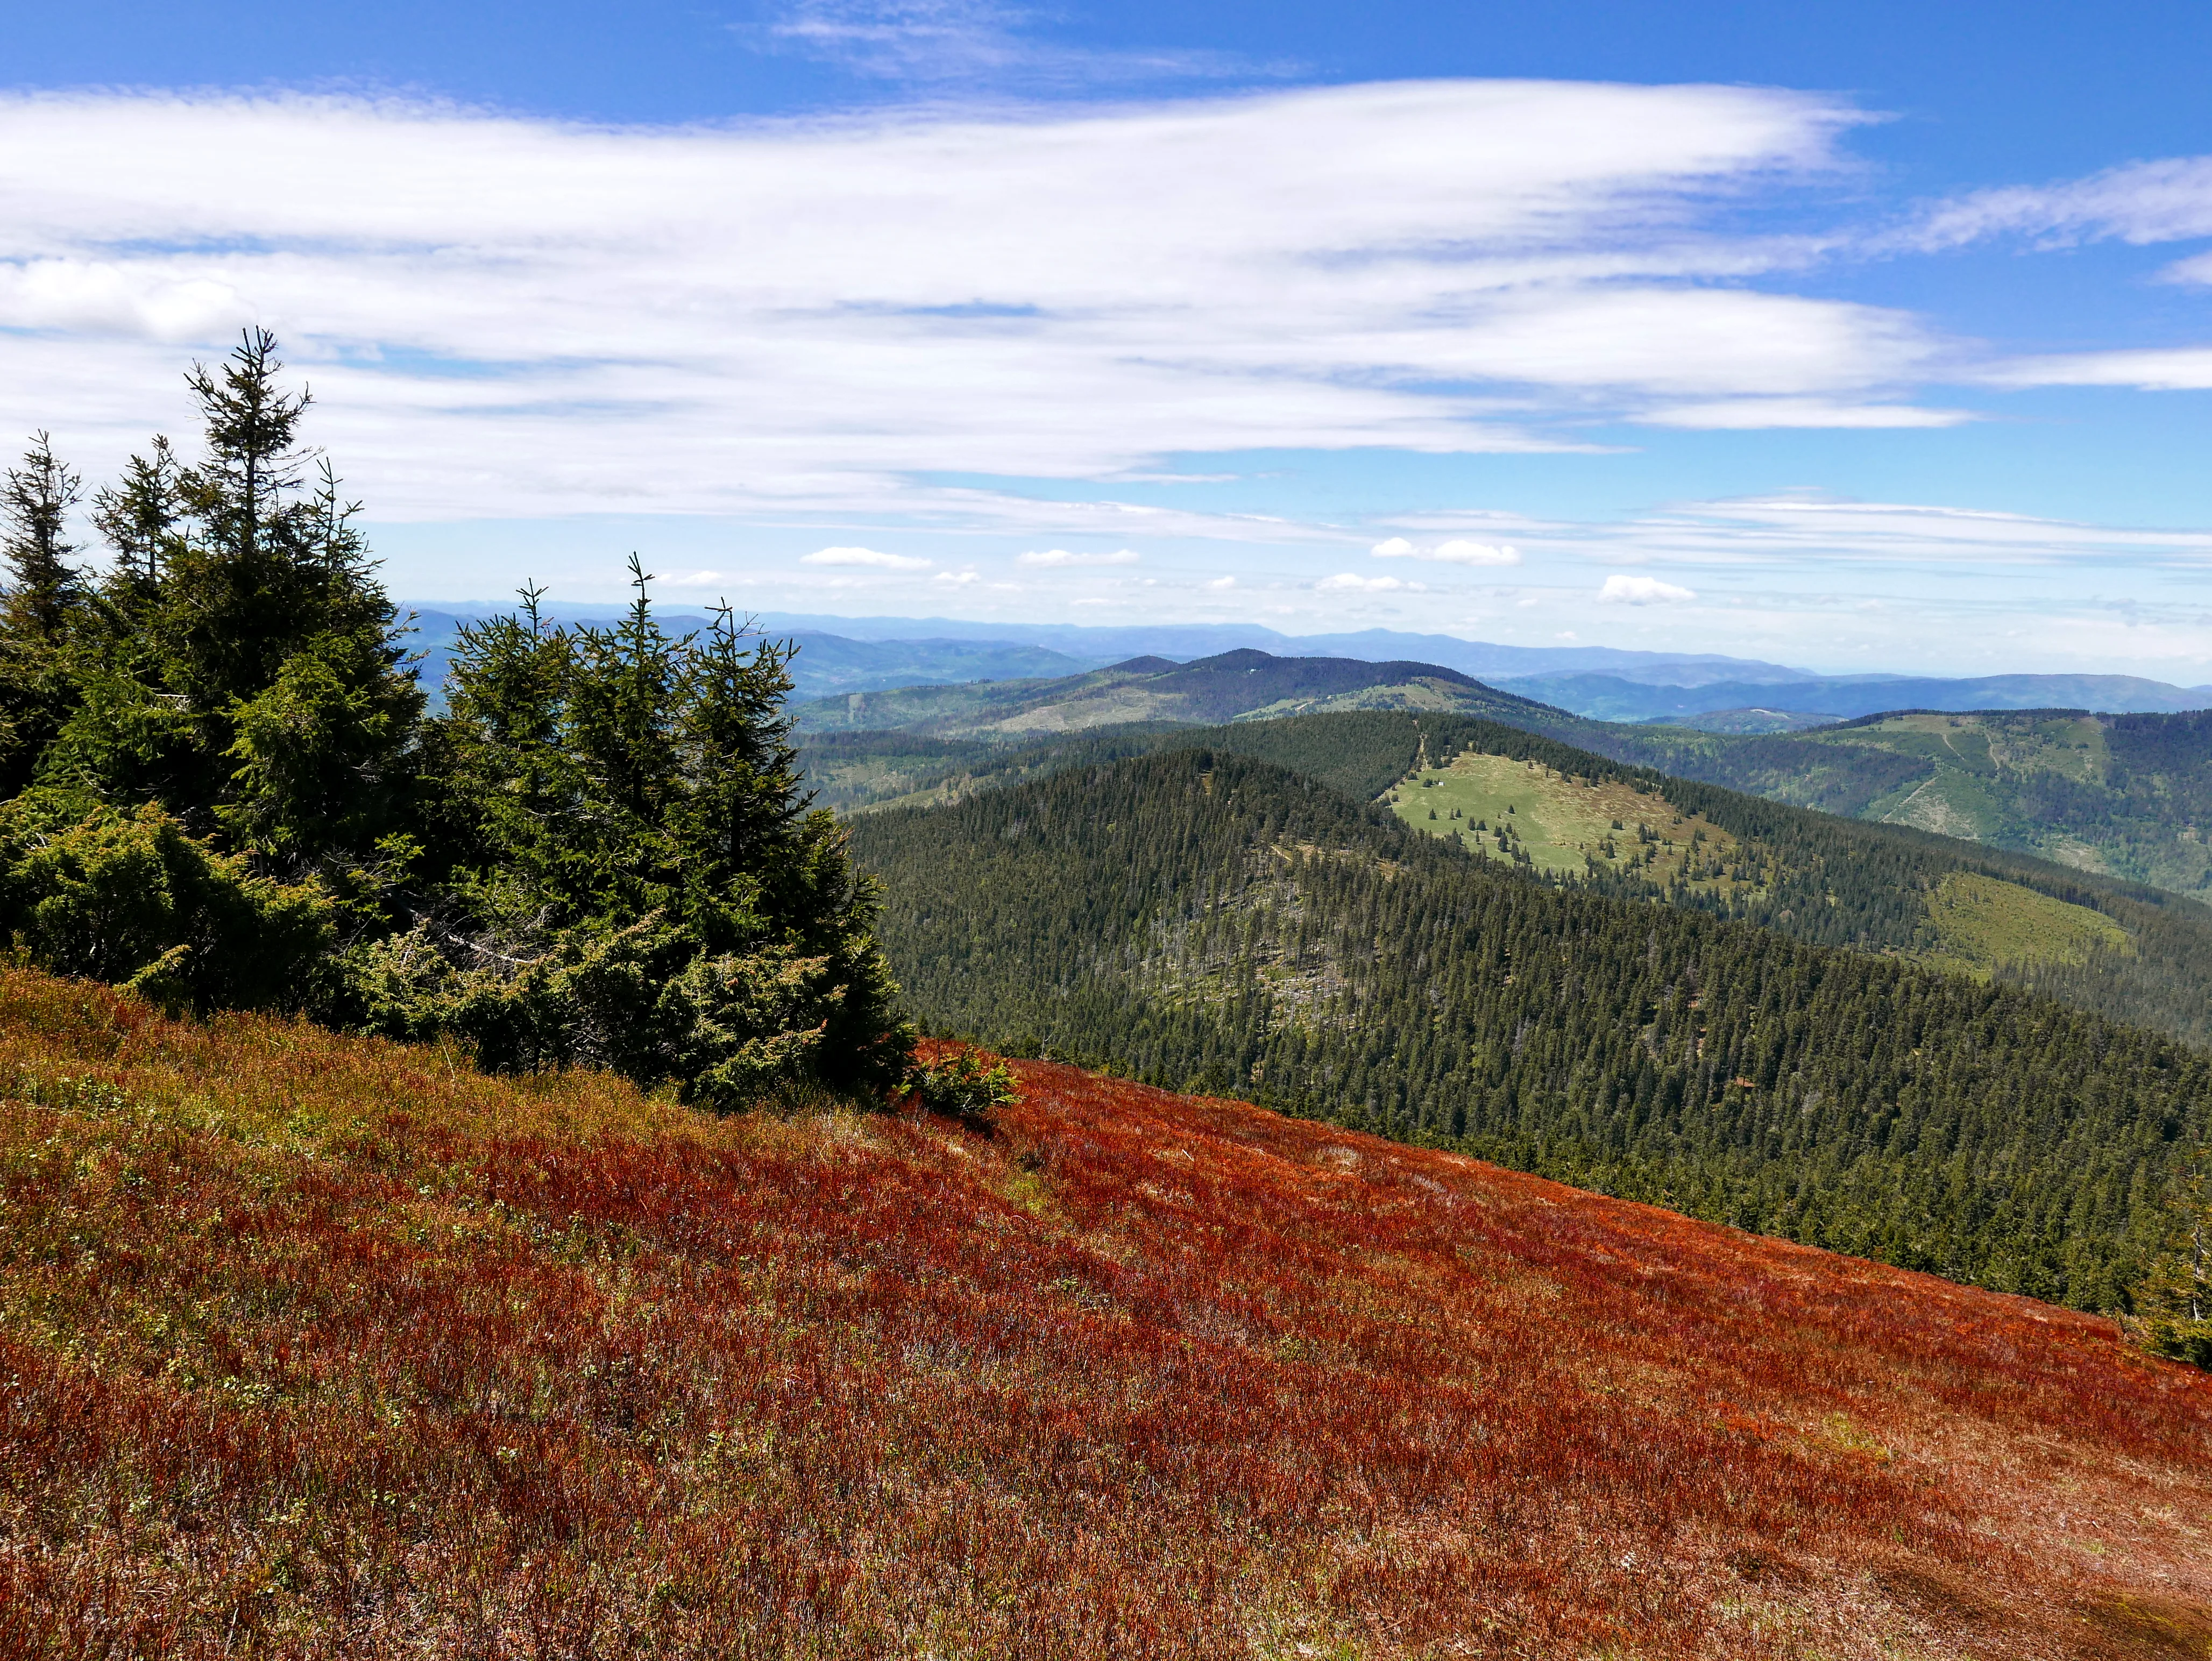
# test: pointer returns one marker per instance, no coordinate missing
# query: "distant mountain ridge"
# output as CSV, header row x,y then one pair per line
x,y
1246,684
1606,684
1611,698
825,664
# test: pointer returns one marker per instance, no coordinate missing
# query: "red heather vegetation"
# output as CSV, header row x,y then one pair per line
x,y
315,1345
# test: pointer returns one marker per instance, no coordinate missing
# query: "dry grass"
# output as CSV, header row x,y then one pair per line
x,y
315,1346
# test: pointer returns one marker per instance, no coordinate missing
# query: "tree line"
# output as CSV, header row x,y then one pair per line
x,y
221,786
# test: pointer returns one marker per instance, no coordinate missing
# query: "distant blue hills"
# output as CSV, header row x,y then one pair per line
x,y
840,654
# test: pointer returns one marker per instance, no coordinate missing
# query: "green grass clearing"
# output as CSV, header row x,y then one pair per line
x,y
1982,923
1522,813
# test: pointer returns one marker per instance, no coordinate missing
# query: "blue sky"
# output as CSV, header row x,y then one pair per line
x,y
1866,336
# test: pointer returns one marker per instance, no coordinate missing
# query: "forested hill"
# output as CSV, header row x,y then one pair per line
x,y
1208,919
2127,795
1242,685
2129,952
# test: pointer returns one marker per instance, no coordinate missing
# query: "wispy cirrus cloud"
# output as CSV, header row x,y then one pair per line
x,y
2168,200
940,42
2153,369
1061,557
870,558
1813,530
507,316
1456,551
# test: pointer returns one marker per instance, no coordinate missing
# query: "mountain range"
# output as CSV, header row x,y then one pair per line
x,y
1781,706
2127,795
863,654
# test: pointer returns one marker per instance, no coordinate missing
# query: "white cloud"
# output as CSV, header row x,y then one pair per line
x,y
1801,529
1812,531
1457,551
1747,414
2156,369
513,318
956,577
867,556
1641,590
2196,269
1460,552
1221,583
99,297
1060,556
1348,582
957,40
2168,200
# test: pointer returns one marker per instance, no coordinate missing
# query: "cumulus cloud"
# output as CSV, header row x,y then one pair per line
x,y
1060,556
1620,590
505,316
1221,583
1457,551
956,577
99,297
867,556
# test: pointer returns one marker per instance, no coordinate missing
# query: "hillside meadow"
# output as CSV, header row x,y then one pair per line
x,y
319,1345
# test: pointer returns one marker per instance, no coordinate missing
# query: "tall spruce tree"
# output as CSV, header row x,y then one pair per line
x,y
45,594
252,683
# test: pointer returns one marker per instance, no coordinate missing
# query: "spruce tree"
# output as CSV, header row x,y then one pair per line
x,y
43,602
142,518
43,588
252,683
600,854
2174,1304
630,874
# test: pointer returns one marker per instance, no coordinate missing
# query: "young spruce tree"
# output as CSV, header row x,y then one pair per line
x,y
2174,1304
634,879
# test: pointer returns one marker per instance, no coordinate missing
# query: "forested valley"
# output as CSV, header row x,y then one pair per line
x,y
1818,878
1215,922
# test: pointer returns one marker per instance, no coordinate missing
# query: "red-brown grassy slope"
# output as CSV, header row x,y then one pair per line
x,y
312,1345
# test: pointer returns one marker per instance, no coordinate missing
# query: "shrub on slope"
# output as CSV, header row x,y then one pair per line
x,y
315,1345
